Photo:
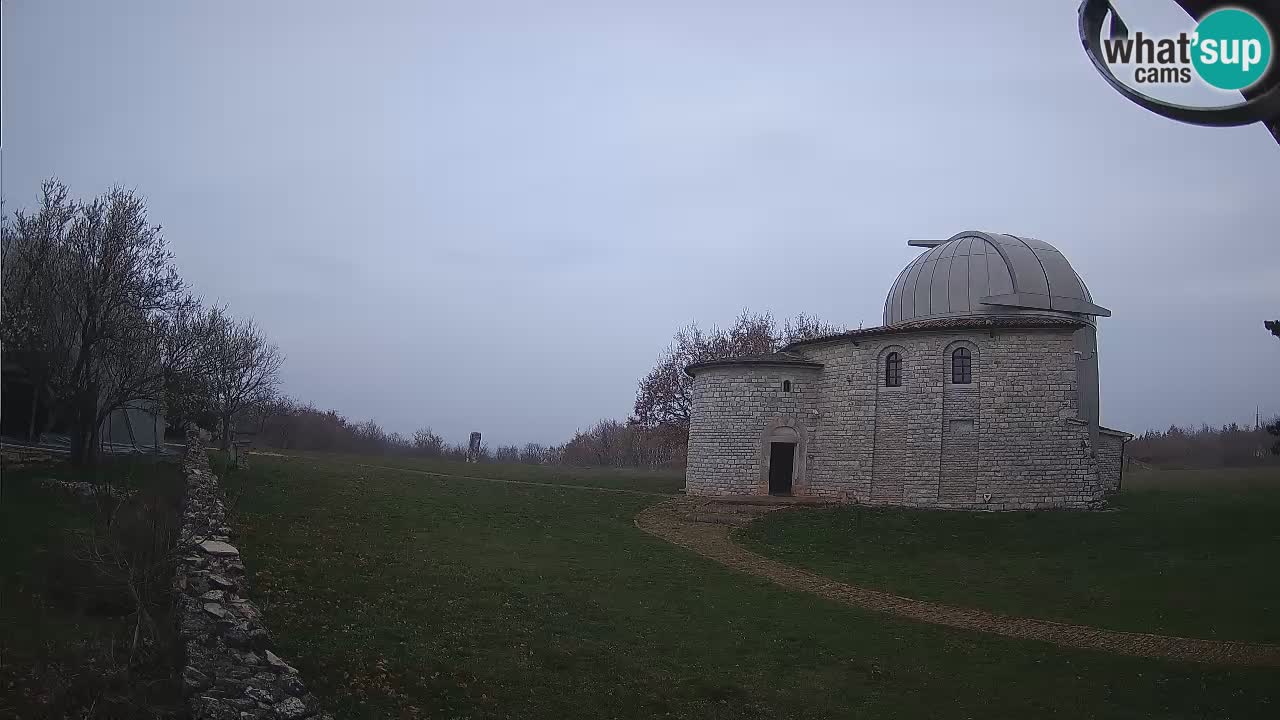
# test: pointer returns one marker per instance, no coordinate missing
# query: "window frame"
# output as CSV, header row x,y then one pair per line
x,y
893,370
962,366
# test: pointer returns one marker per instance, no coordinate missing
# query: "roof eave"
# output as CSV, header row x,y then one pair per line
x,y
977,323
692,369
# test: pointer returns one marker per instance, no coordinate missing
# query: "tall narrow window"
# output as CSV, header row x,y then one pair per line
x,y
961,366
893,370
786,386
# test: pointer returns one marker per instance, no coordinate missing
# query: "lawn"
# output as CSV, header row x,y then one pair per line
x,y
408,595
1180,555
656,481
66,623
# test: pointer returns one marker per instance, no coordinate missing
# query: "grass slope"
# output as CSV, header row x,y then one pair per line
x,y
403,595
1196,562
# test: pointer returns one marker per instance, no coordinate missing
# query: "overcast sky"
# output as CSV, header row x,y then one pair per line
x,y
492,216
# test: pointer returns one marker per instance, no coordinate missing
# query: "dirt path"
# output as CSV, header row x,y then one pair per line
x,y
666,521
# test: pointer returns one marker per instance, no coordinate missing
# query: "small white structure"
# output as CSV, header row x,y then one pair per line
x,y
139,424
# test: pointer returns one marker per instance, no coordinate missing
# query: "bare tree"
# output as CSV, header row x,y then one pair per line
x,y
187,361
93,284
244,369
426,442
29,319
665,395
806,327
533,454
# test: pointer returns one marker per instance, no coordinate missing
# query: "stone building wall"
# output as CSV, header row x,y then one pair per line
x,y
1111,458
733,409
1003,442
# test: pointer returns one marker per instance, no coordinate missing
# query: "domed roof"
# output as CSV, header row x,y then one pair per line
x,y
980,273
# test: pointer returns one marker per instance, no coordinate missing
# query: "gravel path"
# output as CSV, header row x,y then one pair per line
x,y
667,521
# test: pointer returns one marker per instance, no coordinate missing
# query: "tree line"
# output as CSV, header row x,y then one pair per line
x,y
97,319
656,435
1230,445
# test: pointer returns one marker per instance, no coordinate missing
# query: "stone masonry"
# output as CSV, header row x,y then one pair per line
x,y
1011,440
231,672
1020,431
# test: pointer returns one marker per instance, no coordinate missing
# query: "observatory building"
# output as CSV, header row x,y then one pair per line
x,y
979,391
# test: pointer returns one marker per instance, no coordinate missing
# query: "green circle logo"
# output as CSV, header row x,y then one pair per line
x,y
1233,49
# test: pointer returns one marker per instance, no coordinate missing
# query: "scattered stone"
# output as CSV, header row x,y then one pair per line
x,y
292,684
193,680
291,709
260,695
218,548
88,490
214,708
259,638
217,611
236,636
245,609
221,582
230,671
277,664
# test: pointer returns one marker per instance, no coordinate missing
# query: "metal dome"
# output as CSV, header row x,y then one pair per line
x,y
980,273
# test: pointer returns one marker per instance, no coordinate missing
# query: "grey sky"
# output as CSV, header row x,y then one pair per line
x,y
492,216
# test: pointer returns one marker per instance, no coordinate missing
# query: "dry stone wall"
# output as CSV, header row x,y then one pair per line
x,y
1009,440
231,672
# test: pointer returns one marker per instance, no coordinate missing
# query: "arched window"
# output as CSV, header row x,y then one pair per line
x,y
961,366
786,386
893,370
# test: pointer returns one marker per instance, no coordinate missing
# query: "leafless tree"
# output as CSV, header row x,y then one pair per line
x,y
29,319
244,369
426,442
93,282
664,397
187,335
533,454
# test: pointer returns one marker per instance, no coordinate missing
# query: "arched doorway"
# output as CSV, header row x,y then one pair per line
x,y
782,444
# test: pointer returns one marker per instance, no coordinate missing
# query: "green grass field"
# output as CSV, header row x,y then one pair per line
x,y
400,594
1188,553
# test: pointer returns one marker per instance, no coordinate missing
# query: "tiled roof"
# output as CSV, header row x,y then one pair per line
x,y
956,323
777,358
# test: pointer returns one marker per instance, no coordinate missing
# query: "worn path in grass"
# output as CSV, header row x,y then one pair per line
x,y
666,520
401,595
